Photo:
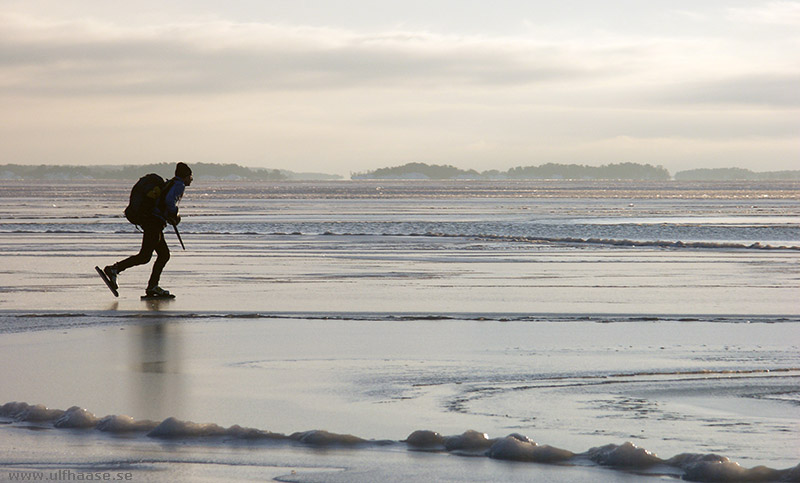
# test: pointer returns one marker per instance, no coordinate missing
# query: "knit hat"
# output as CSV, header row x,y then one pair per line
x,y
182,170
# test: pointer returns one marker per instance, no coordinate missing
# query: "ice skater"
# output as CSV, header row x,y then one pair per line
x,y
154,203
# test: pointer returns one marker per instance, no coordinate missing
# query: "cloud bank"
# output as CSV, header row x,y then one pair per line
x,y
85,57
337,99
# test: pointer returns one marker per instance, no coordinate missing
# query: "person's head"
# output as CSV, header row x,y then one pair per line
x,y
183,171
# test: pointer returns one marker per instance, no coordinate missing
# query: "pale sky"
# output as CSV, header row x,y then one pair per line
x,y
355,85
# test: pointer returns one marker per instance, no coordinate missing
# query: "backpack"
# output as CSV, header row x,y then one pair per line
x,y
146,195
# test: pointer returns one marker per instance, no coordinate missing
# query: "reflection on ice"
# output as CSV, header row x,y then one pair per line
x,y
156,382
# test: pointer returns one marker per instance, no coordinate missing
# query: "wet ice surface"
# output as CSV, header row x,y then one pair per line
x,y
453,247
378,317
383,274
670,387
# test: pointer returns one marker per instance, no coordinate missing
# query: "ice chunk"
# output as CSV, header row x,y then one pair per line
x,y
76,417
239,432
324,438
124,424
10,410
514,448
469,440
425,439
21,411
728,471
684,460
792,474
713,467
175,428
626,455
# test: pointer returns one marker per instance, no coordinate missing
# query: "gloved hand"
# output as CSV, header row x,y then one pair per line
x,y
174,220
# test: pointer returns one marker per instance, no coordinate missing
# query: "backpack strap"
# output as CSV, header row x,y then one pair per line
x,y
167,187
162,200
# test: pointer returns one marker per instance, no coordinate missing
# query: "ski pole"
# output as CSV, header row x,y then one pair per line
x,y
178,234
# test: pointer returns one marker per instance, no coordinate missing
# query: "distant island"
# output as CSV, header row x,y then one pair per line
x,y
619,171
215,171
546,171
234,172
733,174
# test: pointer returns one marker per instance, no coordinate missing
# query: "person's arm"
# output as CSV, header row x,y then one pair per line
x,y
172,199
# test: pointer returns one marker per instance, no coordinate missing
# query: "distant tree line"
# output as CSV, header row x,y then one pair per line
x,y
579,171
418,171
734,174
545,171
623,171
201,170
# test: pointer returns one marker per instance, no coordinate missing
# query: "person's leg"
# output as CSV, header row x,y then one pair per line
x,y
162,252
150,238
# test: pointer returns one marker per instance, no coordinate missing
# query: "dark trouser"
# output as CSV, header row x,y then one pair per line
x,y
152,240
